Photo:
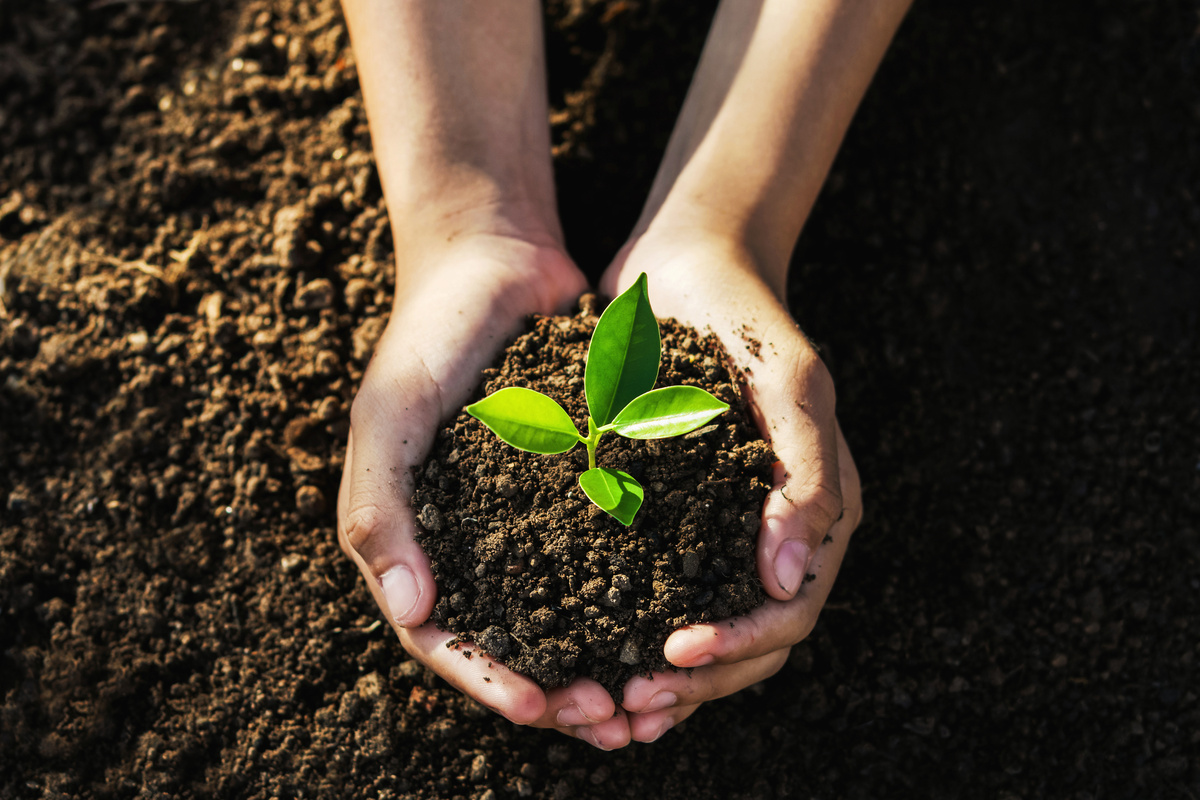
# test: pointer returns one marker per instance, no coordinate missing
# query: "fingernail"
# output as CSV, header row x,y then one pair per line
x,y
667,724
571,715
660,701
790,563
402,592
586,735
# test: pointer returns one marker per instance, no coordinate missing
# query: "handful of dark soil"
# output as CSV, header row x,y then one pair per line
x,y
544,581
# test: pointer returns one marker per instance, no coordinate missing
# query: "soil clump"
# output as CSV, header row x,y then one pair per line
x,y
543,580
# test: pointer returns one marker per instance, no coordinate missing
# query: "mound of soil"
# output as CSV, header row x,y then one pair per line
x,y
195,262
539,577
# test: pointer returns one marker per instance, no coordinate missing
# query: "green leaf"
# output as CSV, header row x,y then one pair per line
x,y
527,420
622,360
672,411
614,491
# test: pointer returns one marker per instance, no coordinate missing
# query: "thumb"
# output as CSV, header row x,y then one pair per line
x,y
794,405
376,523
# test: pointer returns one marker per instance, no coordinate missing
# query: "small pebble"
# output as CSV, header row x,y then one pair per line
x,y
369,686
479,769
292,562
495,641
430,517
315,295
310,501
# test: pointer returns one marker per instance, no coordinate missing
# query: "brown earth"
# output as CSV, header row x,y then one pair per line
x,y
1004,276
551,585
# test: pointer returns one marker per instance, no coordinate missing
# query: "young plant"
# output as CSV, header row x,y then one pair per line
x,y
618,383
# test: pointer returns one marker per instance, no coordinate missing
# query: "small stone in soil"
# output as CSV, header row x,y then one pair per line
x,y
310,501
292,562
430,518
495,641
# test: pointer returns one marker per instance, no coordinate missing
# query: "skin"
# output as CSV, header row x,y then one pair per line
x,y
455,94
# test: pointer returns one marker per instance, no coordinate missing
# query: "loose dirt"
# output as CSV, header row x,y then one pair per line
x,y
548,583
1002,275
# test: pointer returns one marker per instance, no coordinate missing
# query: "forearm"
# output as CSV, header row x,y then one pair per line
x,y
456,97
776,88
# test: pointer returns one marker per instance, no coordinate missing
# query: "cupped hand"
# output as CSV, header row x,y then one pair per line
x,y
459,304
815,503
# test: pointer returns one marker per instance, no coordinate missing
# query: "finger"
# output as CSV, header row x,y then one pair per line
x,y
651,726
485,680
584,702
666,690
794,405
776,624
376,526
609,735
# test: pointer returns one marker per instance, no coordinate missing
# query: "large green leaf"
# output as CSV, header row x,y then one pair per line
x,y
672,411
623,356
527,420
616,492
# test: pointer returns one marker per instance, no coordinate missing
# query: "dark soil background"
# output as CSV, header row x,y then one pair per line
x,y
1004,275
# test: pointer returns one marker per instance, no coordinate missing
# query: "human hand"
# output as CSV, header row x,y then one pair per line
x,y
815,503
459,304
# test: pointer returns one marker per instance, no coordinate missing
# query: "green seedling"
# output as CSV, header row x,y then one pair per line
x,y
618,384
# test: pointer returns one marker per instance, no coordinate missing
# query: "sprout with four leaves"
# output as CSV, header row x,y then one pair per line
x,y
622,366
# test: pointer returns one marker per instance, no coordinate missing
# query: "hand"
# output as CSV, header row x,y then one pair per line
x,y
815,502
461,301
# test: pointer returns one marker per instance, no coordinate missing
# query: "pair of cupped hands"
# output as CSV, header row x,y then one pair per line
x,y
458,303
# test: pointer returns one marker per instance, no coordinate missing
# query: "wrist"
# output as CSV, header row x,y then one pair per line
x,y
439,197
519,269
681,241
432,221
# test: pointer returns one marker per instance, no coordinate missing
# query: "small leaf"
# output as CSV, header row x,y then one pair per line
x,y
614,491
622,360
527,420
672,411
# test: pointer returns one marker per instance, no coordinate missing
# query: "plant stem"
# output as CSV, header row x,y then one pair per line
x,y
591,441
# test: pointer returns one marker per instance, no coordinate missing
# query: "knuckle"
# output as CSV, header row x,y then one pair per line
x,y
746,637
362,529
823,502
